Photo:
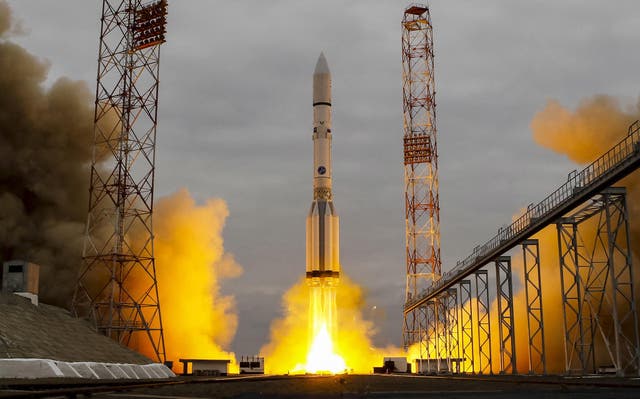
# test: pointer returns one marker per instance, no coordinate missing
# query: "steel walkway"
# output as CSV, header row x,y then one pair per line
x,y
618,162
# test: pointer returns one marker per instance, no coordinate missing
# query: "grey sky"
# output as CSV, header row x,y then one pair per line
x,y
235,120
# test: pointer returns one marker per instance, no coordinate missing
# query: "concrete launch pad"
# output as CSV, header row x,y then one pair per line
x,y
379,386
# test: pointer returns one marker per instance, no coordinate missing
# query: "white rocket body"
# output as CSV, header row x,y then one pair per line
x,y
323,247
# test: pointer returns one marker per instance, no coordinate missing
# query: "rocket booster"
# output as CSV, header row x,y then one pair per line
x,y
323,253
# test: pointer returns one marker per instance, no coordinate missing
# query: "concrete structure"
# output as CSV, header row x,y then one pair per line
x,y
205,367
22,278
437,366
400,364
46,341
47,368
252,365
393,365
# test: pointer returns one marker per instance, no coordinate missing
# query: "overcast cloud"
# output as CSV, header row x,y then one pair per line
x,y
236,117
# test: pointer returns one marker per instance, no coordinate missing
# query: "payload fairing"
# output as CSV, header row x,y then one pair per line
x,y
323,248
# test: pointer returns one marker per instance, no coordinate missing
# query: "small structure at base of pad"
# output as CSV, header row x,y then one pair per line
x,y
438,365
21,278
393,365
251,365
205,367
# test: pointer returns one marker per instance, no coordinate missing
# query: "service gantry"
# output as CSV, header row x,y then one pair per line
x,y
422,210
117,287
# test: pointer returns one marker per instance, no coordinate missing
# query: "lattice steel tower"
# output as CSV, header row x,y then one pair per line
x,y
422,210
117,286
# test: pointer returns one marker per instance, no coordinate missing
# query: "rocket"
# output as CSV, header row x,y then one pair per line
x,y
323,252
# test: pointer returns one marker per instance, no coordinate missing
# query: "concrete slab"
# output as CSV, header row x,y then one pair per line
x,y
128,370
153,373
83,369
67,370
101,371
47,368
29,368
116,370
162,370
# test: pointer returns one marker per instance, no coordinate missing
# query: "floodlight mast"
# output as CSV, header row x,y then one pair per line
x,y
422,205
117,287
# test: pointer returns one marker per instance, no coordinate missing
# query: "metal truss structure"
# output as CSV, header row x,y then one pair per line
x,y
504,298
442,333
117,286
466,327
429,348
422,209
451,329
535,319
599,310
484,322
597,292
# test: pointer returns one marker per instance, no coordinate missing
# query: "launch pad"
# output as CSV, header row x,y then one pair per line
x,y
454,338
340,386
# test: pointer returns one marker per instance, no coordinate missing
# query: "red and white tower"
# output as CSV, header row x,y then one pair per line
x,y
422,209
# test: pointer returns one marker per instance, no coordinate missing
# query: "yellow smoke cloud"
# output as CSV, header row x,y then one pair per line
x,y
584,134
198,321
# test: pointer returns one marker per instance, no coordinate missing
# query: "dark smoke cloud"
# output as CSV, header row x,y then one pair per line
x,y
45,151
5,18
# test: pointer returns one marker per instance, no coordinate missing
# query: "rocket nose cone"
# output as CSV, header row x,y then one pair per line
x,y
321,66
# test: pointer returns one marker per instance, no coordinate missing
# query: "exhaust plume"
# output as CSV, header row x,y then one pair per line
x,y
5,18
290,341
198,320
583,135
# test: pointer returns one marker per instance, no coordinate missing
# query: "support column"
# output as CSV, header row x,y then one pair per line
x,y
431,337
600,315
442,333
484,322
535,320
452,330
466,327
505,315
620,334
578,337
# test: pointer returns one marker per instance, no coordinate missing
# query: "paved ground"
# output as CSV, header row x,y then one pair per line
x,y
382,386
